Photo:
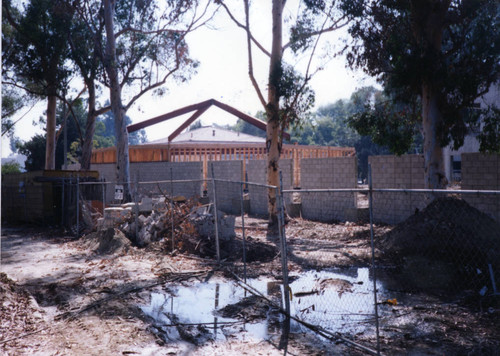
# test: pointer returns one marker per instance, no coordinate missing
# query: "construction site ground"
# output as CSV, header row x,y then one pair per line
x,y
66,296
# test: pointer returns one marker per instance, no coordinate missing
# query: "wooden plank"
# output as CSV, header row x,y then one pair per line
x,y
168,116
188,122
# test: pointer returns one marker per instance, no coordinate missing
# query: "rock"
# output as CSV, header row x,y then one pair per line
x,y
146,205
142,220
203,220
109,241
160,204
144,237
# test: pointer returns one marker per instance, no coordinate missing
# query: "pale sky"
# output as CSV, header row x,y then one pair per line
x,y
223,75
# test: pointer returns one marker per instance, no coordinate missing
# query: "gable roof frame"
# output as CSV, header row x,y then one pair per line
x,y
199,109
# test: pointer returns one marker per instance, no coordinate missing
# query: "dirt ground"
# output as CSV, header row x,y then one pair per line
x,y
66,296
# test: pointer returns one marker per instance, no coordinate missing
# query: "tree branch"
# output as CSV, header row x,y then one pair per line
x,y
70,109
22,116
250,59
245,27
335,26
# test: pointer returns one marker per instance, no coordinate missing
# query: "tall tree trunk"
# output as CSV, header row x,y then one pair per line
x,y
435,177
122,154
273,138
89,129
428,25
50,147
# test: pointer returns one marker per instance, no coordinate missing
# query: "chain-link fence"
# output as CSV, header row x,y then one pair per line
x,y
446,242
357,265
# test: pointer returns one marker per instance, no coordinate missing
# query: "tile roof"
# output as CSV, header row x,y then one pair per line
x,y
210,134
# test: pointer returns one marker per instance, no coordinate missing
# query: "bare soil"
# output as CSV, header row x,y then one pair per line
x,y
65,296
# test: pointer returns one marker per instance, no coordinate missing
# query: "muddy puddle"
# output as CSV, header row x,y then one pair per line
x,y
339,301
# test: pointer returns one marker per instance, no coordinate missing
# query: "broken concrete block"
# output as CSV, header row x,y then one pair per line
x,y
142,220
204,221
112,213
160,204
144,237
146,205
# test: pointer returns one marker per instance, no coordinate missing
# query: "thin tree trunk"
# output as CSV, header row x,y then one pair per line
x,y
122,154
273,139
89,130
50,148
435,177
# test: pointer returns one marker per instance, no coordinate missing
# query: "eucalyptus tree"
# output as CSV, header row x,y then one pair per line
x,y
144,46
86,42
35,54
438,56
289,96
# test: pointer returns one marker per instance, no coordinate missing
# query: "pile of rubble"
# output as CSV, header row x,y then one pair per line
x,y
189,224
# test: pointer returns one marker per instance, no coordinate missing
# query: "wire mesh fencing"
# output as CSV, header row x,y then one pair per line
x,y
444,243
340,260
332,285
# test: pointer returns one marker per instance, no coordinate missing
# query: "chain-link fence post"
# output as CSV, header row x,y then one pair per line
x,y
374,274
78,206
172,207
243,234
136,207
103,197
282,236
215,215
62,203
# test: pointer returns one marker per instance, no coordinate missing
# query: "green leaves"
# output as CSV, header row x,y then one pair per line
x,y
454,49
296,97
393,129
489,138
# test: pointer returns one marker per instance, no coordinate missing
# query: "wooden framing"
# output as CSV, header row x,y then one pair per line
x,y
192,152
199,109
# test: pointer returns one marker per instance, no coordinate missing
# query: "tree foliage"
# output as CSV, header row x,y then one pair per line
x,y
35,47
11,167
329,126
435,56
35,55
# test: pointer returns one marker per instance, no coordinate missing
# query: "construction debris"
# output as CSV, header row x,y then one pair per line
x,y
203,219
189,224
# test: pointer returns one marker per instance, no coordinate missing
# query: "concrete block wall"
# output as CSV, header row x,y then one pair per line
x,y
328,173
157,171
256,173
482,172
397,172
228,194
107,173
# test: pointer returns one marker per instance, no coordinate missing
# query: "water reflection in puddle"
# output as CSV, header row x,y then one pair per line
x,y
340,301
196,305
337,301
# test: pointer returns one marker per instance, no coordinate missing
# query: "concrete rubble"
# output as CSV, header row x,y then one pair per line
x,y
151,220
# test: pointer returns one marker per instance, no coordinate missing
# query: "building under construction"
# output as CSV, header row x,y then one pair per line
x,y
214,144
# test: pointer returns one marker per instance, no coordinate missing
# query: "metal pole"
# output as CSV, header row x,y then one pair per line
x,y
78,206
103,197
215,216
172,206
65,143
284,263
243,234
136,208
62,203
374,274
